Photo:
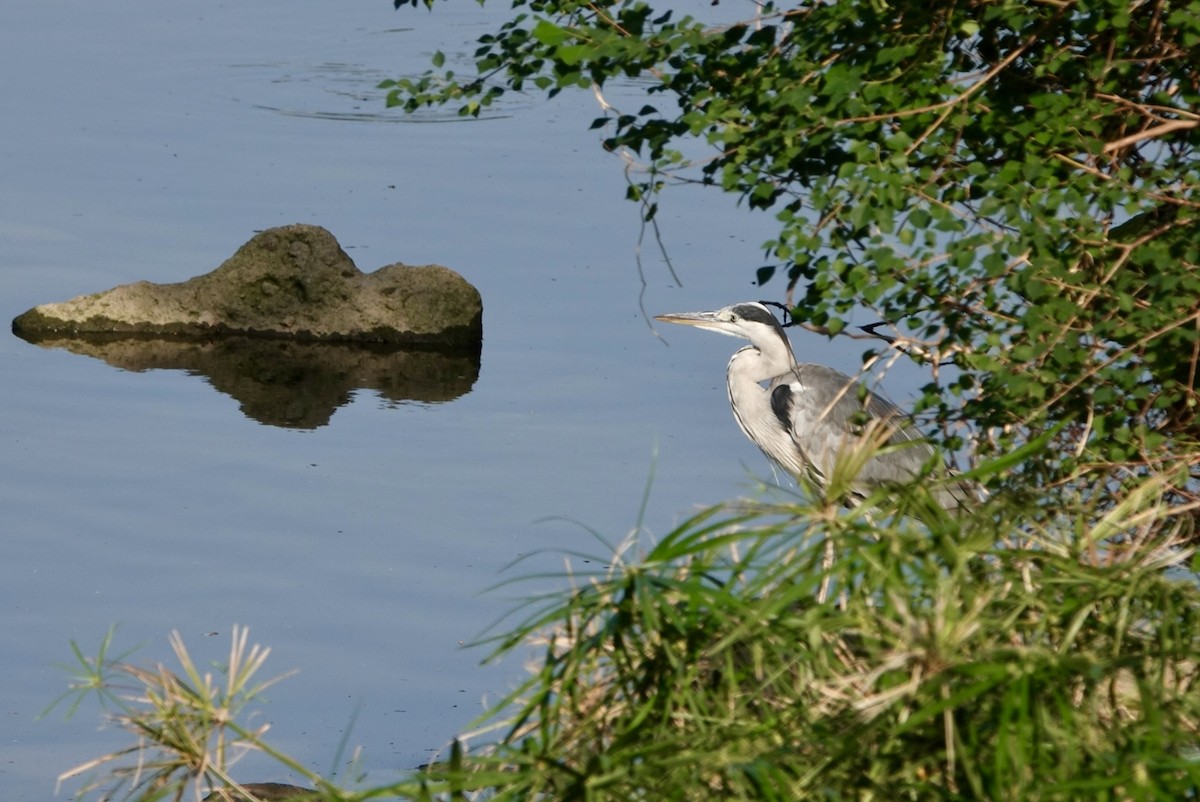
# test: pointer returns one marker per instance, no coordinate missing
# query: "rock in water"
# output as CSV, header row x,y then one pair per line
x,y
267,792
292,282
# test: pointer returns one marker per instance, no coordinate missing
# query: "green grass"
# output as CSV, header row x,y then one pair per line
x,y
188,736
940,667
981,657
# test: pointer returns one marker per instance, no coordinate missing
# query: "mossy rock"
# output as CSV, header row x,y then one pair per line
x,y
291,282
264,792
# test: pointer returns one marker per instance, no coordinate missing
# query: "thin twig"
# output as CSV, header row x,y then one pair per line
x,y
1150,133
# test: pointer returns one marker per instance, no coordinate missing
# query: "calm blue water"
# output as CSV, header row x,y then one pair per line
x,y
149,142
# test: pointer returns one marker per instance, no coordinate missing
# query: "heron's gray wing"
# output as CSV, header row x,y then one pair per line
x,y
834,398
783,396
825,404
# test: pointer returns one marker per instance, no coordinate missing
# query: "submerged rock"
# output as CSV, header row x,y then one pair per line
x,y
291,282
267,792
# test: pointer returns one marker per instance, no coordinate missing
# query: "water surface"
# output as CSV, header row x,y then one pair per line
x,y
149,143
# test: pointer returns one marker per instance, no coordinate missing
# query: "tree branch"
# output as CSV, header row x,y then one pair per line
x,y
1150,133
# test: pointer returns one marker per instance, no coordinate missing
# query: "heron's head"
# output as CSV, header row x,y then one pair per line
x,y
750,320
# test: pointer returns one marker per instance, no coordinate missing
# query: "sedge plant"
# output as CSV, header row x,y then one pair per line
x,y
1005,653
186,724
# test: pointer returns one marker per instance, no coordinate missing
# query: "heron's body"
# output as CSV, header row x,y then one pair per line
x,y
804,416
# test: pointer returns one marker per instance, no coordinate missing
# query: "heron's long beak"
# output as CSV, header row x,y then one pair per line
x,y
704,320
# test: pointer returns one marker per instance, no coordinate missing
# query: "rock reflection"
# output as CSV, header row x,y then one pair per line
x,y
289,383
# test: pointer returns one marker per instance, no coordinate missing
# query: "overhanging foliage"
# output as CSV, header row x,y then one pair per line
x,y
1012,184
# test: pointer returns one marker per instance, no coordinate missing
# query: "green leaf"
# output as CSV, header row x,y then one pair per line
x,y
549,34
571,55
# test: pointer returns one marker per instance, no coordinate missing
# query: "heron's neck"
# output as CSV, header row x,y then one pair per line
x,y
753,365
749,400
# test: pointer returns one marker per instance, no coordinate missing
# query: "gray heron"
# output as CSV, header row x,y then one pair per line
x,y
805,417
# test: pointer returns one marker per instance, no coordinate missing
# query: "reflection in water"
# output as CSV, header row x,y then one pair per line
x,y
348,91
421,116
288,383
